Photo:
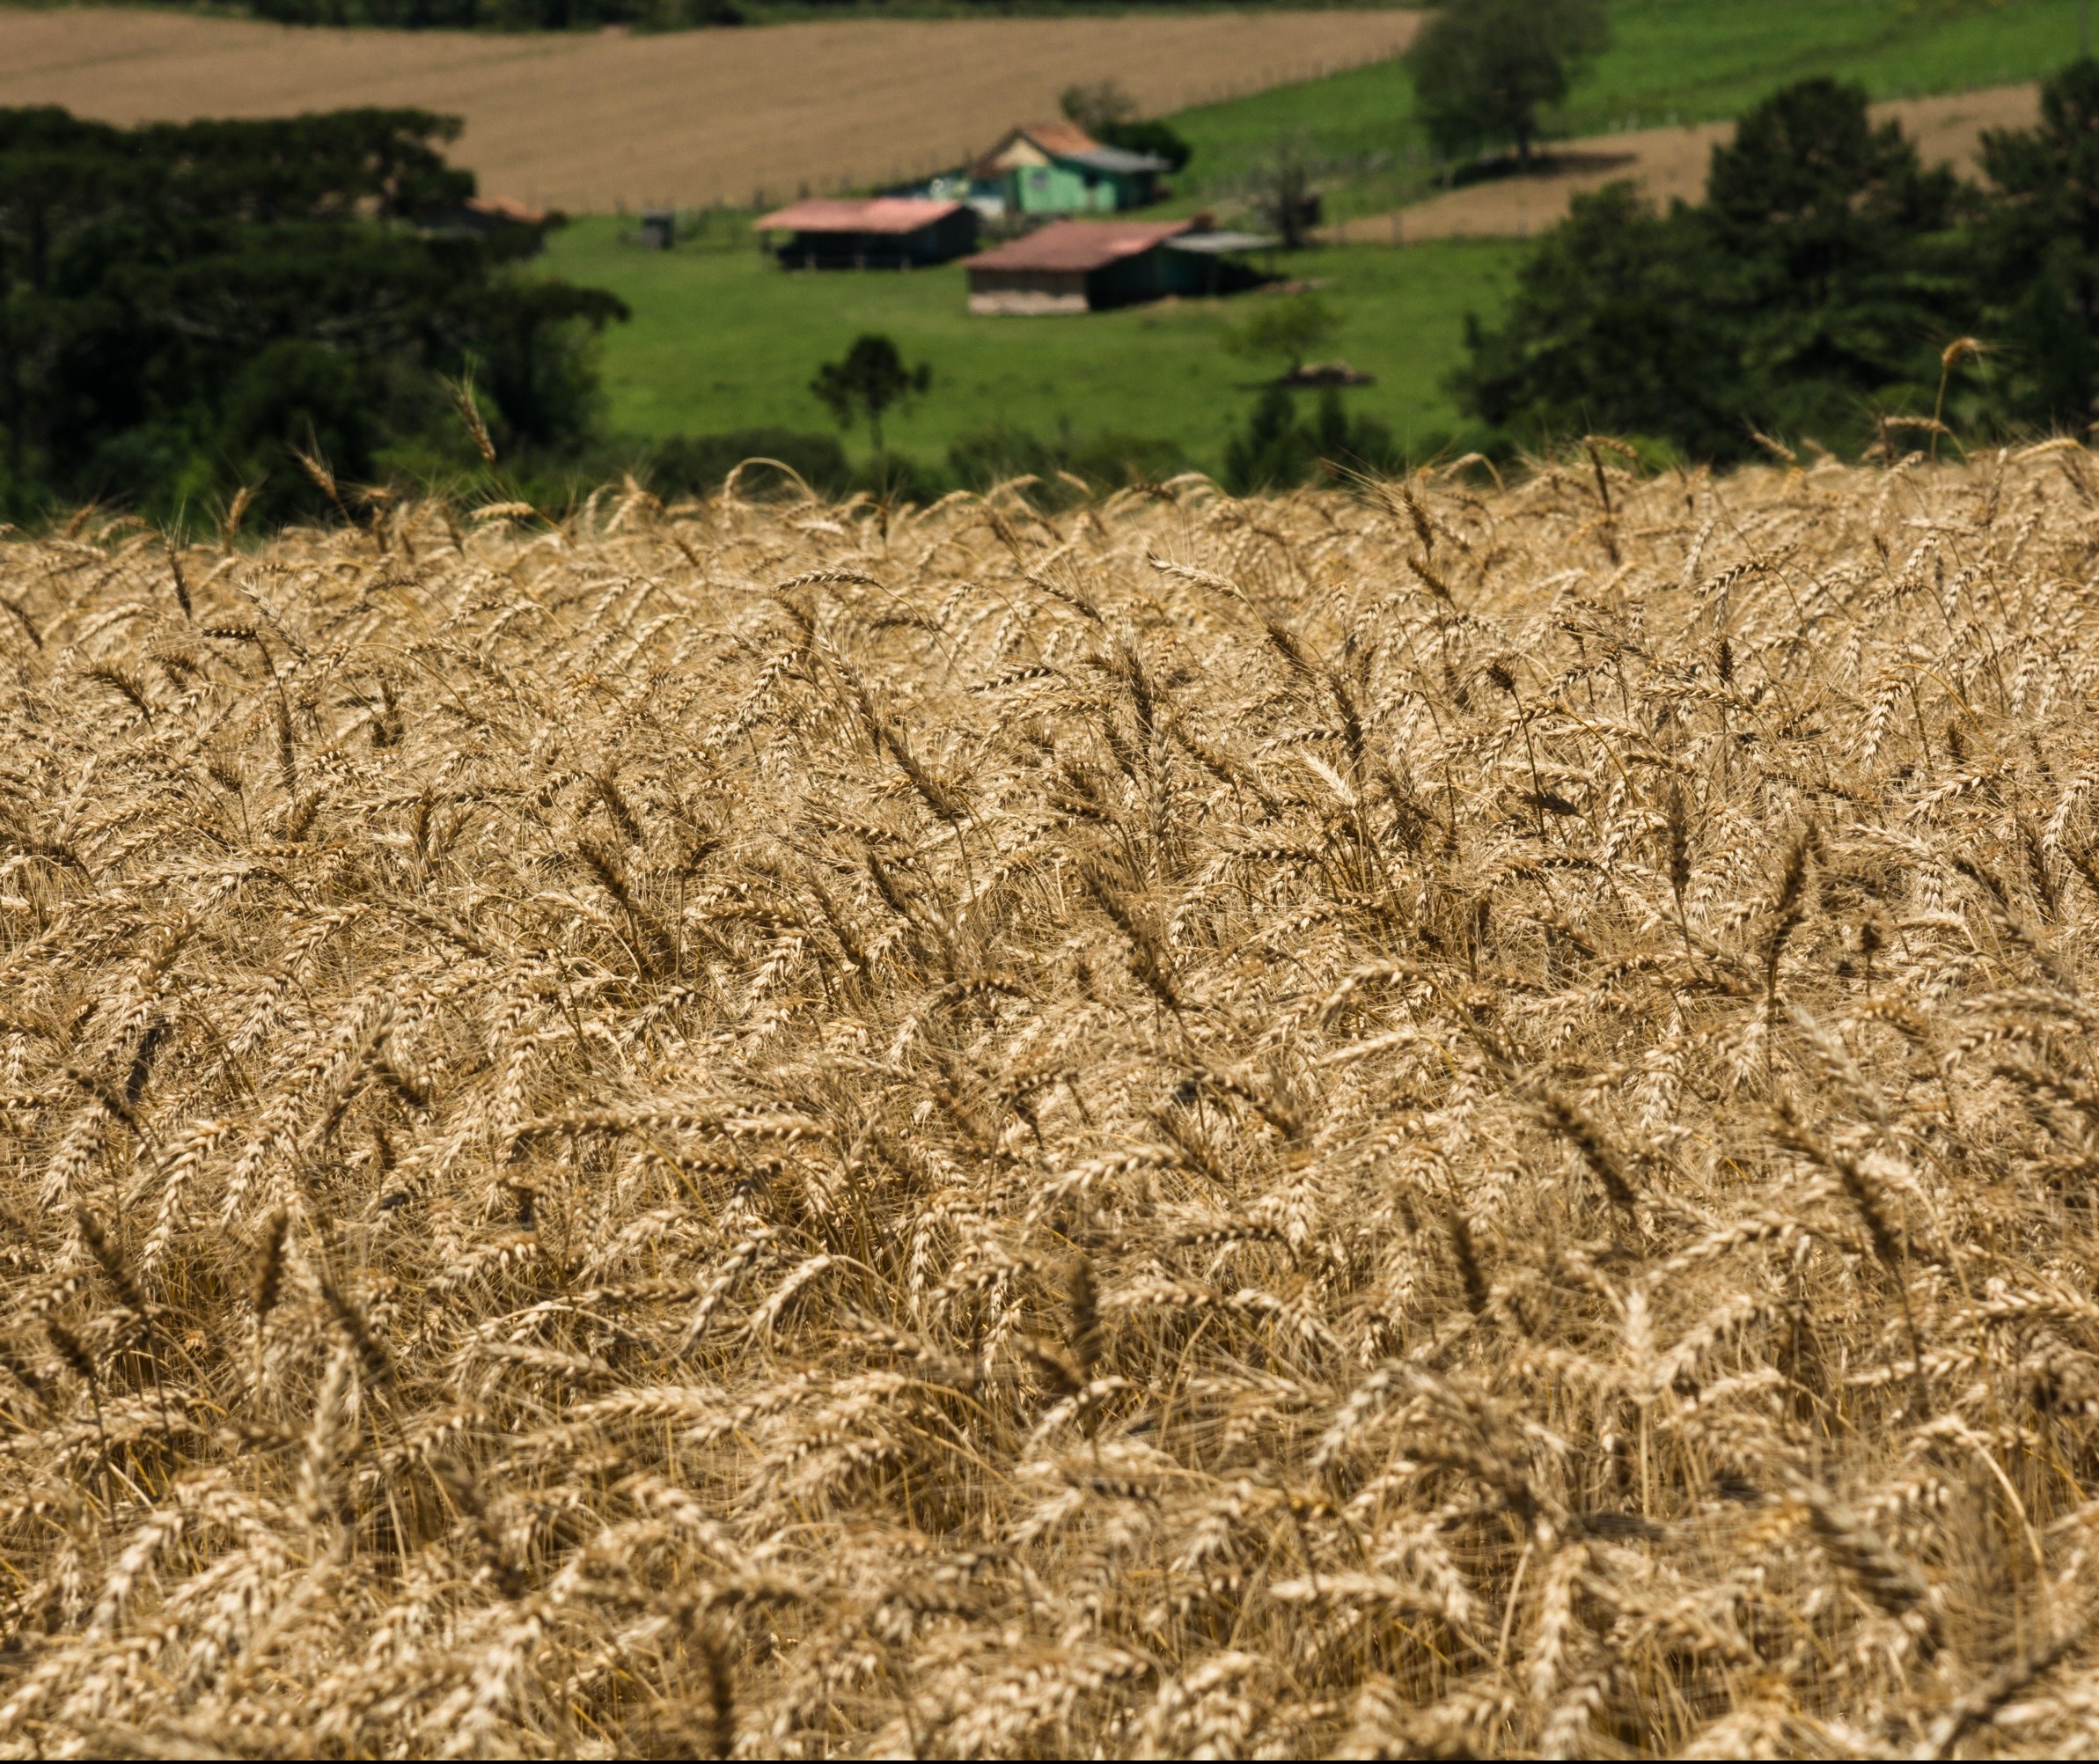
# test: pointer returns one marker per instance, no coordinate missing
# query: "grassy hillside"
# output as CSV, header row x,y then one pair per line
x,y
720,342
1678,61
721,339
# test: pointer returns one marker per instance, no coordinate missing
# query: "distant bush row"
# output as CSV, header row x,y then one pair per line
x,y
1278,449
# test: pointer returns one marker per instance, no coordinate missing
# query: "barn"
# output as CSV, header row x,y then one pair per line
x,y
882,233
1088,265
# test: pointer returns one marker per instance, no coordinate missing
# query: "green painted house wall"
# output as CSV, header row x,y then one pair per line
x,y
1061,189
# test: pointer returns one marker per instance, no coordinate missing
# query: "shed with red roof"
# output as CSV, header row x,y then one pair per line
x,y
883,232
1086,266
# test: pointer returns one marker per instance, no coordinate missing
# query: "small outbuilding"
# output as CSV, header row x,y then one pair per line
x,y
881,232
1088,265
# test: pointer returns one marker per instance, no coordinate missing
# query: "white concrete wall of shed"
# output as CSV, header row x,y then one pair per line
x,y
1024,302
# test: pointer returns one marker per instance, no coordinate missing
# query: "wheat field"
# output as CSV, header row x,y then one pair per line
x,y
1428,1119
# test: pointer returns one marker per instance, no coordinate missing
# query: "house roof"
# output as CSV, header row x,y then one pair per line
x,y
1061,138
1058,140
505,208
1077,244
1117,159
879,214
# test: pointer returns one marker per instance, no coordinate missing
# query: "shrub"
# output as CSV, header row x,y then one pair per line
x,y
696,465
1276,450
1106,461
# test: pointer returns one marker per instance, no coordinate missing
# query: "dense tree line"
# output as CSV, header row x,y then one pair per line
x,y
1822,287
183,305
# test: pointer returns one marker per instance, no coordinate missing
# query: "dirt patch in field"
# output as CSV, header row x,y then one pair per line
x,y
588,123
1667,163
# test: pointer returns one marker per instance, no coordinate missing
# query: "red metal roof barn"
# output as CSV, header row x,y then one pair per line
x,y
1084,266
883,232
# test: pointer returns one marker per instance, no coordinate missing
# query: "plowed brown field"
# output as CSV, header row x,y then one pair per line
x,y
1669,163
588,122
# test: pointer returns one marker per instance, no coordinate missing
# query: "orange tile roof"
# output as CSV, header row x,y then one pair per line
x,y
880,214
1059,138
507,208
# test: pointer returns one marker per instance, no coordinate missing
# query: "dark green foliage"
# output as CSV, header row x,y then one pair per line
x,y
1839,271
1815,285
2040,251
897,478
531,361
1484,68
1098,107
1289,329
1615,326
1105,110
992,456
1276,450
696,465
1148,137
870,380
1273,450
183,305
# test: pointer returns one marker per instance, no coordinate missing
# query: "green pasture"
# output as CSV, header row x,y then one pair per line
x,y
722,339
1669,61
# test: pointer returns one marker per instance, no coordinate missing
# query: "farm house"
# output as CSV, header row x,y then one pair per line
x,y
886,233
1088,266
1056,168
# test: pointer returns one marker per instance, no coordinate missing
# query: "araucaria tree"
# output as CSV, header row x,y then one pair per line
x,y
870,379
2041,254
1484,68
184,305
1815,285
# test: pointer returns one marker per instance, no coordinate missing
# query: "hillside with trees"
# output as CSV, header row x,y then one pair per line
x,y
1828,286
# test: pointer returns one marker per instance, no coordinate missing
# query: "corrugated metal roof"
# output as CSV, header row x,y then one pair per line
x,y
1117,159
1077,244
1215,244
879,214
